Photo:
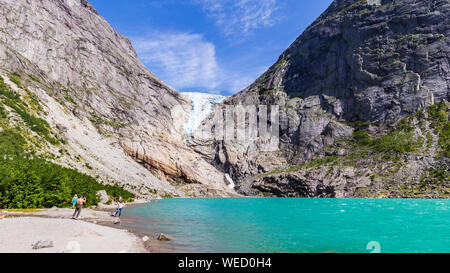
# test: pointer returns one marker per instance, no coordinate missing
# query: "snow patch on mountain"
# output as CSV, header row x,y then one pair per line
x,y
202,106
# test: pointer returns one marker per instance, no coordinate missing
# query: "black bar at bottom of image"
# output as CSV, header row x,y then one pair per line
x,y
230,262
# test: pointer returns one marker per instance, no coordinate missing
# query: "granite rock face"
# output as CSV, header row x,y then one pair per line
x,y
373,61
101,99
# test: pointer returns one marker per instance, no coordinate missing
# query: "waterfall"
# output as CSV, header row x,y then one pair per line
x,y
231,184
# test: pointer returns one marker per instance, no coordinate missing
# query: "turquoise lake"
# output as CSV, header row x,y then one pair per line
x,y
260,225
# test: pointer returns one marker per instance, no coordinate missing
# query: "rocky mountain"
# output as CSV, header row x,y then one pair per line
x,y
105,114
363,96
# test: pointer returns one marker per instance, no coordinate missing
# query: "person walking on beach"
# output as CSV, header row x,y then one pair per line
x,y
74,201
119,207
80,202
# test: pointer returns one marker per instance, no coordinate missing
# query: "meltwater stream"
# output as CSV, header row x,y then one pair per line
x,y
261,225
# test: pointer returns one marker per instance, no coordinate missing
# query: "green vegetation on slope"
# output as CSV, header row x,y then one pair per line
x,y
441,126
3,112
401,140
444,140
15,78
28,180
13,101
390,148
31,182
98,120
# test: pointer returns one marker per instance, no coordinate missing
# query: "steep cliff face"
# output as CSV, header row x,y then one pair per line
x,y
369,62
101,99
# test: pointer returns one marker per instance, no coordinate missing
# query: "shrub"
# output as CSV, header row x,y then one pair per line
x,y
15,78
118,191
3,112
6,91
444,140
439,116
362,137
397,141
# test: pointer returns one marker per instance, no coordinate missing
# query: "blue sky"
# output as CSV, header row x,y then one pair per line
x,y
212,46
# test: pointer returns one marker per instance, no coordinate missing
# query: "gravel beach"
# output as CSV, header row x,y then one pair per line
x,y
21,230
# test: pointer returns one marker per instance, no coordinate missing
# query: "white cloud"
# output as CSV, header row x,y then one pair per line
x,y
241,16
188,63
181,59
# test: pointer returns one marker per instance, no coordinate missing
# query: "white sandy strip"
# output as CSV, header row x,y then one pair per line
x,y
18,234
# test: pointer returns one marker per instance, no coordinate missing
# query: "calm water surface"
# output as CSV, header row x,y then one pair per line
x,y
261,225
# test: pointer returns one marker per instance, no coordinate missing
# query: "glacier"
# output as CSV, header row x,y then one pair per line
x,y
202,106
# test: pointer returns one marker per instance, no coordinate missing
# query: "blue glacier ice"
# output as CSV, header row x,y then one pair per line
x,y
202,106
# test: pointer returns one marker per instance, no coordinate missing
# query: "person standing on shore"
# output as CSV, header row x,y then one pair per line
x,y
115,209
80,202
74,201
119,207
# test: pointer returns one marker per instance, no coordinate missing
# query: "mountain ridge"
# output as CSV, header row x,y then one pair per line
x,y
119,122
361,62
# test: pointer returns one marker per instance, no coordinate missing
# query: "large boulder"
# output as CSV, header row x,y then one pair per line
x,y
104,197
164,237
